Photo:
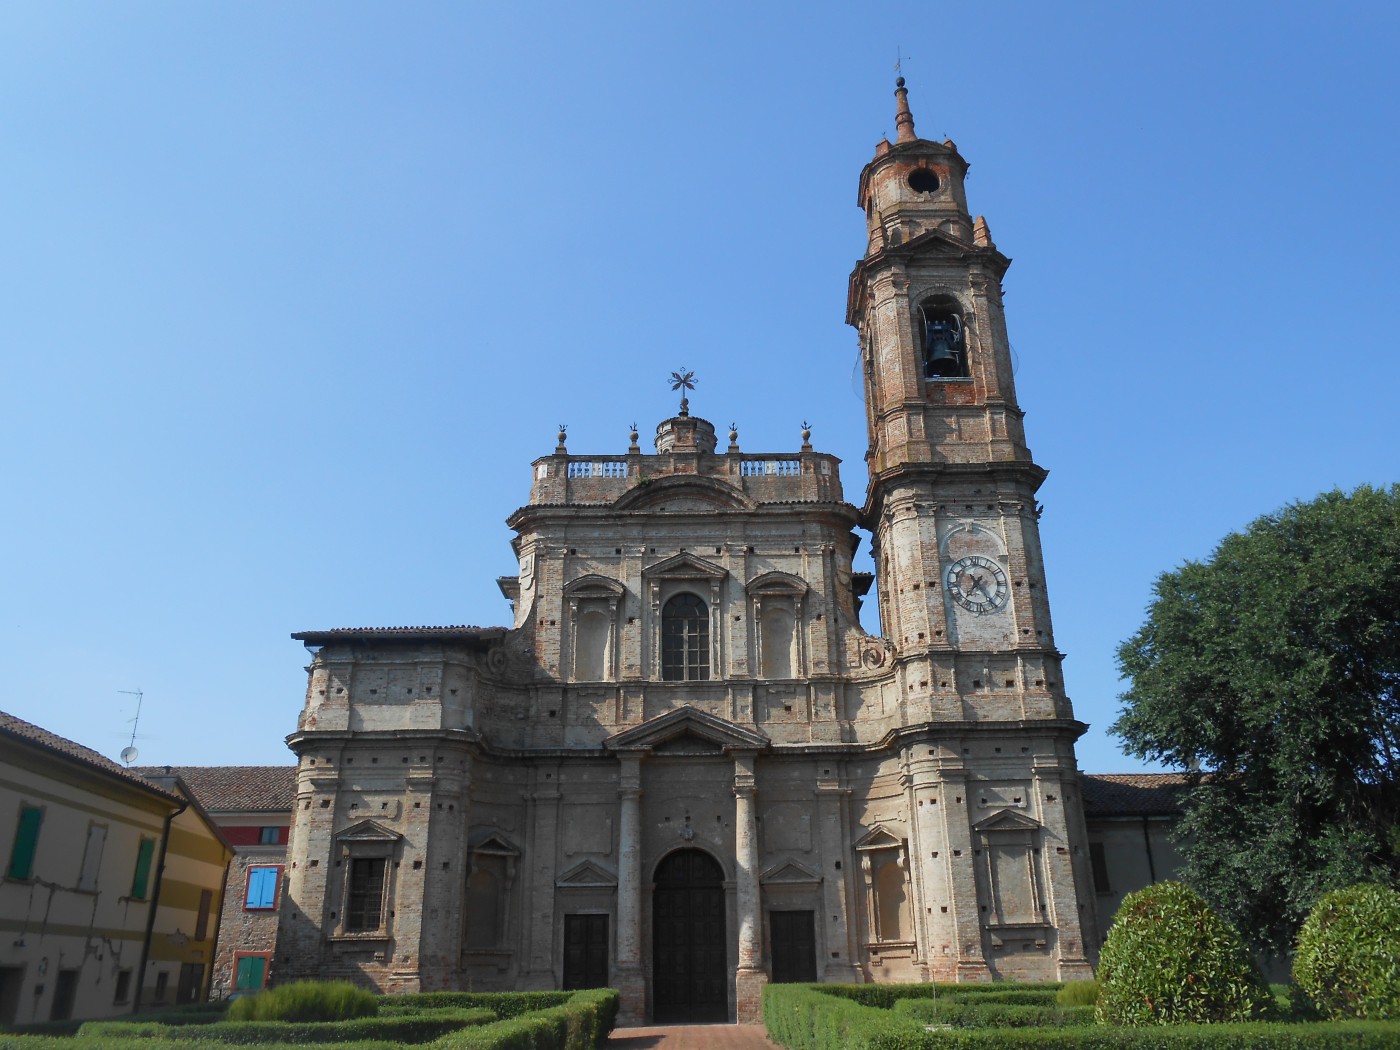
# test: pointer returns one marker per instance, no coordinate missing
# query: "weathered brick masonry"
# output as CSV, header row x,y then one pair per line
x,y
685,770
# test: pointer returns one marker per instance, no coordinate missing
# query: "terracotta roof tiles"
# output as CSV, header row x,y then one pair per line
x,y
234,789
19,729
1133,794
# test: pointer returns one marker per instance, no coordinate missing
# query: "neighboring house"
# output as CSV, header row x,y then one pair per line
x,y
1129,817
109,887
252,806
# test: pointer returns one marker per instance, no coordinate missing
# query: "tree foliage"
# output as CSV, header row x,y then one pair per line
x,y
1273,669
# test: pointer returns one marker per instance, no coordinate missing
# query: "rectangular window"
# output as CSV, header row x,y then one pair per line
x,y
162,984
92,857
365,901
123,992
1100,864
250,973
201,922
269,836
26,843
141,879
262,889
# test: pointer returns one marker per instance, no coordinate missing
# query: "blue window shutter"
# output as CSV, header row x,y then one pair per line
x,y
262,888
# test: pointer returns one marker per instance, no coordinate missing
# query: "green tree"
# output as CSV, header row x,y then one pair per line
x,y
1272,672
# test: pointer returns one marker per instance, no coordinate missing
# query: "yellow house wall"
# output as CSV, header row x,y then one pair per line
x,y
49,925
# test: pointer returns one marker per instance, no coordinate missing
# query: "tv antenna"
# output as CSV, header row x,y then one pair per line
x,y
129,753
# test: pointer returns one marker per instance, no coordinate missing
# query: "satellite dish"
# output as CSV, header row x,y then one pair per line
x,y
129,755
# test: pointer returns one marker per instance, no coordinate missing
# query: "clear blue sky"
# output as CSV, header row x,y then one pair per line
x,y
292,294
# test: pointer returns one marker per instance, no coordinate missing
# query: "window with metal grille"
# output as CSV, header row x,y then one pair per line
x,y
365,900
685,639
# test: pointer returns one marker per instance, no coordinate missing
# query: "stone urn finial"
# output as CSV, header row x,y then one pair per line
x,y
559,449
806,436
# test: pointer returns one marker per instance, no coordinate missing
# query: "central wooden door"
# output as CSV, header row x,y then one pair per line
x,y
688,967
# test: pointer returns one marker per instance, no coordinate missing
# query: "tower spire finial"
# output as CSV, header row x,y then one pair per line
x,y
903,119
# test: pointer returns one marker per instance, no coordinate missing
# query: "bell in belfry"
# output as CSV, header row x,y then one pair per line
x,y
943,346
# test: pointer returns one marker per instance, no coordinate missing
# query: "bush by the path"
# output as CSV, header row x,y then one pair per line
x,y
1348,958
1169,959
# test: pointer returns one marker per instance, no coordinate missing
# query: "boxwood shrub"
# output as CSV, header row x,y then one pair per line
x,y
1348,958
1169,959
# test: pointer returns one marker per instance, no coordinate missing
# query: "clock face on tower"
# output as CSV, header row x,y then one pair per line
x,y
978,584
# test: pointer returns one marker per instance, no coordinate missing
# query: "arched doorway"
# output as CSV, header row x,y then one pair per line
x,y
688,967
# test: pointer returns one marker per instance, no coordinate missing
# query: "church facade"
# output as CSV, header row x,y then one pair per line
x,y
685,770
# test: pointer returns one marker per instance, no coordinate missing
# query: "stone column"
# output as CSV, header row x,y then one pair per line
x,y
750,977
630,982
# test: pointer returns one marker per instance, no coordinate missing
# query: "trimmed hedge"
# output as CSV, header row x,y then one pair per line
x,y
582,1022
973,1013
39,1042
504,1005
808,1017
420,1028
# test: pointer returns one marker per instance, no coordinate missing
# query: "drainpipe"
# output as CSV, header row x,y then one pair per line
x,y
155,904
1147,842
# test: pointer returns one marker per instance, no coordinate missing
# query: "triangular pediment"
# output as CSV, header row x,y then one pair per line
x,y
879,837
717,733
1006,820
789,873
586,876
688,744
685,566
368,831
682,493
494,843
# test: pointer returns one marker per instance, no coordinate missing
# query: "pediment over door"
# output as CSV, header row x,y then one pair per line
x,y
789,873
879,837
367,832
688,727
1006,820
586,876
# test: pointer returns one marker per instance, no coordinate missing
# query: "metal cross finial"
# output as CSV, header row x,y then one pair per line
x,y
899,59
683,380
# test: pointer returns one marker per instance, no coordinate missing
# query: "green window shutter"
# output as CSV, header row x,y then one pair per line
x,y
250,972
26,843
140,882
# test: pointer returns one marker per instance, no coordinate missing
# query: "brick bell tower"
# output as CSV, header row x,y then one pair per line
x,y
1001,856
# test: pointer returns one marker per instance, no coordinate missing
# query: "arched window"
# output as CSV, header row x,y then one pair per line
x,y
685,639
